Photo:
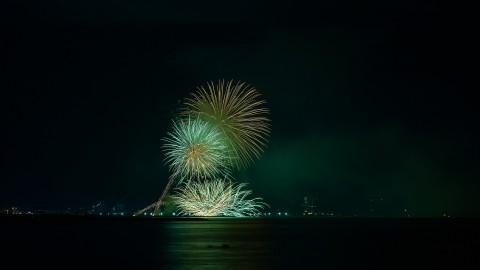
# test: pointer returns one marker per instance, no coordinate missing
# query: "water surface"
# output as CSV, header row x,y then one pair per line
x,y
228,243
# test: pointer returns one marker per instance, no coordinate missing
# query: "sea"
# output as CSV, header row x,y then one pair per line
x,y
239,243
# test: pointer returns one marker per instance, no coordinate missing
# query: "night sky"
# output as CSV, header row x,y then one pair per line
x,y
368,99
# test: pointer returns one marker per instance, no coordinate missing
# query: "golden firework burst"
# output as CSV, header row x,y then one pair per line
x,y
239,113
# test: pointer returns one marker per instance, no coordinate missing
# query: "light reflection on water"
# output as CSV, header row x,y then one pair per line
x,y
219,243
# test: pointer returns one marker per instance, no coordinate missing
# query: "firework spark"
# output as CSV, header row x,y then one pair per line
x,y
196,150
236,110
216,198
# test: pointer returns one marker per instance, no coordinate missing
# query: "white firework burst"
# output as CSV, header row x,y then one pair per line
x,y
216,198
196,150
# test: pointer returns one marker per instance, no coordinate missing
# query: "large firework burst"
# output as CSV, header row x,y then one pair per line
x,y
196,149
216,198
237,111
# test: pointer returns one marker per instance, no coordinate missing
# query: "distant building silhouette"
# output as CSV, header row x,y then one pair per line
x,y
309,205
99,209
10,210
118,209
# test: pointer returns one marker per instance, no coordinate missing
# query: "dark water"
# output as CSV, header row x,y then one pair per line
x,y
222,243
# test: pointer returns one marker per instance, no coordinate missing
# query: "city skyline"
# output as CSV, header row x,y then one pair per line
x,y
307,206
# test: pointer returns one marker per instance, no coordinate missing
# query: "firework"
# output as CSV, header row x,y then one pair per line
x,y
216,198
196,150
236,110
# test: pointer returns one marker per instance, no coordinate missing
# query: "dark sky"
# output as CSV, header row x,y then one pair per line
x,y
369,99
